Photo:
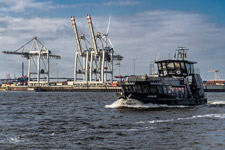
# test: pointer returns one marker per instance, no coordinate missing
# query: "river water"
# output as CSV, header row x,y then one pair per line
x,y
71,120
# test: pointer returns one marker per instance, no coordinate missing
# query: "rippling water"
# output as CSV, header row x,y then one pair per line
x,y
48,120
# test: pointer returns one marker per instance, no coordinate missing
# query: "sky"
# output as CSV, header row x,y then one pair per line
x,y
143,30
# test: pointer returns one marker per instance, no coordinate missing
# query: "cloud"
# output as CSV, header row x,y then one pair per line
x,y
53,33
122,3
140,36
22,6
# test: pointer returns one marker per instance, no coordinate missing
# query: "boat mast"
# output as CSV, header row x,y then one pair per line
x,y
181,53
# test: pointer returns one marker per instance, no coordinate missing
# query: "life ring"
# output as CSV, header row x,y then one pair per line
x,y
178,72
165,73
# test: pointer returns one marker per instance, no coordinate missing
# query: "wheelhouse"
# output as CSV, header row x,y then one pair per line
x,y
179,68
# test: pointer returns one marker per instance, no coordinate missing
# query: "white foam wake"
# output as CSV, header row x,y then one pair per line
x,y
221,116
133,103
14,139
130,103
216,102
119,130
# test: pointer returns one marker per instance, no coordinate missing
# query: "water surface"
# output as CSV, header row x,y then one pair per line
x,y
71,120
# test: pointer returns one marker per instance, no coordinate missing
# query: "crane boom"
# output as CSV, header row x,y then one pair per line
x,y
27,54
30,53
92,34
76,35
24,54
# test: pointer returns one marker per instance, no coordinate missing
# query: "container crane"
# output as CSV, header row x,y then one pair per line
x,y
95,59
216,71
40,52
81,54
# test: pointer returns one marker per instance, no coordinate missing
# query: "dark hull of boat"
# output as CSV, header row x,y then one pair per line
x,y
167,101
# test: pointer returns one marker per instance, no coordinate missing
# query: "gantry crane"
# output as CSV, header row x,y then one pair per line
x,y
40,52
216,71
95,59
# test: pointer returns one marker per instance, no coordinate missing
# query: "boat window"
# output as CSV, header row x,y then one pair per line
x,y
185,92
145,89
137,88
190,79
174,91
180,90
182,65
129,89
170,65
169,89
188,68
164,65
160,90
177,65
153,89
159,66
165,90
125,88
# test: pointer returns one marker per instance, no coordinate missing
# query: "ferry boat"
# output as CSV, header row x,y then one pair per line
x,y
176,83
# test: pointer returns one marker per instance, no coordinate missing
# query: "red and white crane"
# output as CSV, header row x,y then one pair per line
x,y
96,60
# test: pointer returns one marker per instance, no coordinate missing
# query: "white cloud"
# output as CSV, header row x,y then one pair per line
x,y
22,6
138,37
53,33
141,36
122,3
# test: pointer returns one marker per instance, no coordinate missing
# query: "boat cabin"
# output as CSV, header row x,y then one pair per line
x,y
178,68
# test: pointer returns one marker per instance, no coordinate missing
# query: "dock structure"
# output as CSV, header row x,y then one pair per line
x,y
214,88
62,88
73,88
82,89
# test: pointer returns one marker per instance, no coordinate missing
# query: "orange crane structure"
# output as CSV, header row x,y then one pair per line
x,y
40,67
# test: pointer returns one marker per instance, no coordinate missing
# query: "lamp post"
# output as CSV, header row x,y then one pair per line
x,y
56,72
119,63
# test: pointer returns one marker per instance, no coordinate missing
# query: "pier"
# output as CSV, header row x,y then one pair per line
x,y
62,88
214,88
72,88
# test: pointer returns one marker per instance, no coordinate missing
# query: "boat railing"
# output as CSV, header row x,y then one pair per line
x,y
197,71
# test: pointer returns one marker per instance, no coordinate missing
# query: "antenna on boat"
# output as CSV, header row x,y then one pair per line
x,y
181,53
157,58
